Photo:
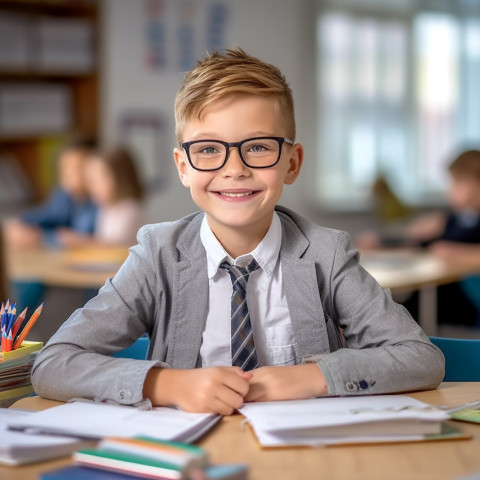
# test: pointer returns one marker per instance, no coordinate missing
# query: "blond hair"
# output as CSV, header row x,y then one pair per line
x,y
234,72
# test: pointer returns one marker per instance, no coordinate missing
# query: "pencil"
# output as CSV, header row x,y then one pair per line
x,y
18,322
28,327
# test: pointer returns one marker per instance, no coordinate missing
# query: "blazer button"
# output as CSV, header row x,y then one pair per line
x,y
351,386
363,384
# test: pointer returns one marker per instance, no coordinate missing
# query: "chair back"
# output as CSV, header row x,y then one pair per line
x,y
462,358
137,350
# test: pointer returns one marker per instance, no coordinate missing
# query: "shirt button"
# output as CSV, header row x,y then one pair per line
x,y
351,386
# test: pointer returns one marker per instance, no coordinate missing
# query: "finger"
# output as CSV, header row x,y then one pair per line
x,y
238,384
230,398
220,407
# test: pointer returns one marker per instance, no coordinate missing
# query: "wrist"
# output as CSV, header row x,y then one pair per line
x,y
159,386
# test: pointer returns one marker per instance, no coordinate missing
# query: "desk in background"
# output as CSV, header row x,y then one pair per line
x,y
407,270
64,278
229,442
77,268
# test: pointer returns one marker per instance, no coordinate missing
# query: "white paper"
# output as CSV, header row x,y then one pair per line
x,y
337,420
85,419
18,447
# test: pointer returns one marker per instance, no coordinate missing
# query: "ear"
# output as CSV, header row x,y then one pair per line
x,y
295,164
182,165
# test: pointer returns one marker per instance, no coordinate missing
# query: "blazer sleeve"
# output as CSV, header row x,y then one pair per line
x,y
385,349
77,361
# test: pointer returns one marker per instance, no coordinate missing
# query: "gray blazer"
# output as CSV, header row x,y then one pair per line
x,y
342,319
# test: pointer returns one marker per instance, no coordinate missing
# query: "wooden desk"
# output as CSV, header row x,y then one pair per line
x,y
406,270
228,442
77,268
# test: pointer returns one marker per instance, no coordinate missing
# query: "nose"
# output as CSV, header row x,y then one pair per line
x,y
235,166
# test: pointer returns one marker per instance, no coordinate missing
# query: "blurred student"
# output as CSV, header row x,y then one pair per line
x,y
454,233
68,207
454,236
114,186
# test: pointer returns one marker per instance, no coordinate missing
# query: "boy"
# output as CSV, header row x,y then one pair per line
x,y
184,282
67,211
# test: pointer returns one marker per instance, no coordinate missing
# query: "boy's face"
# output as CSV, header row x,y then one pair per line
x,y
237,198
464,193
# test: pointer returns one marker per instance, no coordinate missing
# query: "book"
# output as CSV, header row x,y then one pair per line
x,y
326,421
144,456
15,368
18,448
77,472
123,462
176,453
98,420
24,350
467,415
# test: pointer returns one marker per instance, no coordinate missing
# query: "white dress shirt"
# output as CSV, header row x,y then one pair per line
x,y
266,300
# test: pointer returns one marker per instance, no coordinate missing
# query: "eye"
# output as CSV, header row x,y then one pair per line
x,y
257,148
208,150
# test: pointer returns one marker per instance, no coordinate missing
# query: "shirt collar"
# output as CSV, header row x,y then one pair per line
x,y
265,254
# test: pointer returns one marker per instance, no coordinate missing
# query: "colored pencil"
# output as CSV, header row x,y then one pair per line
x,y
18,322
20,338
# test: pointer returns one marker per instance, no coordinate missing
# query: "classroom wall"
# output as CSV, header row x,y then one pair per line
x,y
281,32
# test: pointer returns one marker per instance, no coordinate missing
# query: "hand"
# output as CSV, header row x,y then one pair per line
x,y
286,383
202,390
70,238
426,227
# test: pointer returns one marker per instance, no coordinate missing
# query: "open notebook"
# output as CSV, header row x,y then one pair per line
x,y
97,420
17,448
327,421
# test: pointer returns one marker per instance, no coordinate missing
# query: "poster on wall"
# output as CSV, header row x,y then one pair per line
x,y
145,134
178,32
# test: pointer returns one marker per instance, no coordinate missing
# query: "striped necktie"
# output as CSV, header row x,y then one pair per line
x,y
242,344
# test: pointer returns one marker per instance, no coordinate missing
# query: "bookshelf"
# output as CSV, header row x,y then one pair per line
x,y
49,85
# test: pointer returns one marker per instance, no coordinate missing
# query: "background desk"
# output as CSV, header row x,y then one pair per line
x,y
228,442
407,270
78,268
64,278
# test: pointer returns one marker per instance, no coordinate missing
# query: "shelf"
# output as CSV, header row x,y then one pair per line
x,y
34,150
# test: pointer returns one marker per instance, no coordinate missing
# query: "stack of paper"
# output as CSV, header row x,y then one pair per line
x,y
18,448
362,419
15,367
94,420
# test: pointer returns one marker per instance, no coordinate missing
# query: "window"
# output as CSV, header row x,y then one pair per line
x,y
398,95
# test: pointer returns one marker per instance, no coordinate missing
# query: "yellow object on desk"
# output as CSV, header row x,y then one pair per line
x,y
26,348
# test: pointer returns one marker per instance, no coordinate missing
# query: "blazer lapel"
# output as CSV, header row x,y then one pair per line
x,y
190,300
303,296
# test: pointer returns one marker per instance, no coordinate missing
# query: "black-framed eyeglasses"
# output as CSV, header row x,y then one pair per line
x,y
256,152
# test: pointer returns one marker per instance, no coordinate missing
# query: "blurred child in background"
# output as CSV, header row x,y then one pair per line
x,y
68,207
452,235
114,186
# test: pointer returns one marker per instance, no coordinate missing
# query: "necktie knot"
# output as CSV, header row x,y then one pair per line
x,y
240,275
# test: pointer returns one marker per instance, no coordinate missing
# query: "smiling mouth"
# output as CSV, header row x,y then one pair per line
x,y
236,195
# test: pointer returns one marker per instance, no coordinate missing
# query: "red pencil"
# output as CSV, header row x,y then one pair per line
x,y
18,322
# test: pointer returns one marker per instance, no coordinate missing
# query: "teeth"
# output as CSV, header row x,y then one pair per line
x,y
243,194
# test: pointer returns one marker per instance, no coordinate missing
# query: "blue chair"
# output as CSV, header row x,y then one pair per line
x,y
137,350
462,358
